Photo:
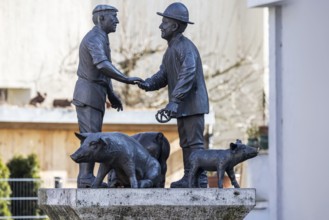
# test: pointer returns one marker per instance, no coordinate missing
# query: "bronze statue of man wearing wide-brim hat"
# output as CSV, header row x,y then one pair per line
x,y
181,70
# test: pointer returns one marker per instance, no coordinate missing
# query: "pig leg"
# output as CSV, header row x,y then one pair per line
x,y
104,168
220,176
231,175
145,183
129,169
198,174
153,175
112,179
193,176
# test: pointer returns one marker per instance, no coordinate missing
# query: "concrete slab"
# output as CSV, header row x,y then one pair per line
x,y
228,204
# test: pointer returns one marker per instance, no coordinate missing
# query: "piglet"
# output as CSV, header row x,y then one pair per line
x,y
221,161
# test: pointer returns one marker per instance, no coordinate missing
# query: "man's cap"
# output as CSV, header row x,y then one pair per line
x,y
177,11
99,8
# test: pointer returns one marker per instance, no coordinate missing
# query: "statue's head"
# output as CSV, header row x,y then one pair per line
x,y
177,11
175,20
105,16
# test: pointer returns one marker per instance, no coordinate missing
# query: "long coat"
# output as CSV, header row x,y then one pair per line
x,y
181,70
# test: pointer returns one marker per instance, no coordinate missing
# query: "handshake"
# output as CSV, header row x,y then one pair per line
x,y
141,83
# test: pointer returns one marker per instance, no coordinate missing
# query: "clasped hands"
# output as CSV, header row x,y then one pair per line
x,y
134,80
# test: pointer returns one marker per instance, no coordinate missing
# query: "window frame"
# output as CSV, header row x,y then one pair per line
x,y
264,3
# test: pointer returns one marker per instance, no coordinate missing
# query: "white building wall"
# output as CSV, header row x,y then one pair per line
x,y
37,37
305,108
299,107
39,52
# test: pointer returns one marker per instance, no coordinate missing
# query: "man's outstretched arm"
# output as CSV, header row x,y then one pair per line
x,y
109,70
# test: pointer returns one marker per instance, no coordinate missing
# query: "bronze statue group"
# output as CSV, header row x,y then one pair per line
x,y
130,161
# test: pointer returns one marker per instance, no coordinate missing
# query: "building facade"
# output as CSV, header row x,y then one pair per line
x,y
299,106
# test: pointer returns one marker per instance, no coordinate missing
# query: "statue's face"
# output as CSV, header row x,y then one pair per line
x,y
110,22
168,28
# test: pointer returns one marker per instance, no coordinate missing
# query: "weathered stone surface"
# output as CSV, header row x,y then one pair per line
x,y
147,203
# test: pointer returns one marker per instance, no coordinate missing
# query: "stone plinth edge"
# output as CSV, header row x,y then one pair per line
x,y
147,203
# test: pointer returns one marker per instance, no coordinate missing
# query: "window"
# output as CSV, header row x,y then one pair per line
x,y
3,96
15,96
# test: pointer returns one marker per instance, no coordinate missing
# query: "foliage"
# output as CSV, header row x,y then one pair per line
x,y
21,167
4,190
253,131
258,136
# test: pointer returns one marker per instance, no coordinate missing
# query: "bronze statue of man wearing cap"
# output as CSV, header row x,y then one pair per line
x,y
95,72
181,70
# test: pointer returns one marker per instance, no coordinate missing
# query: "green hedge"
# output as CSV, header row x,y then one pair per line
x,y
21,167
4,190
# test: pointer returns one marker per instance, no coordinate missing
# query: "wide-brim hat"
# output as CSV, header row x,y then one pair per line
x,y
177,11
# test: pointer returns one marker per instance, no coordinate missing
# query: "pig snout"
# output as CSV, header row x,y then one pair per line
x,y
252,151
79,155
74,156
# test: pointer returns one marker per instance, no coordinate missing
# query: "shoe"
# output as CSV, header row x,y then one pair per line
x,y
88,182
85,182
182,183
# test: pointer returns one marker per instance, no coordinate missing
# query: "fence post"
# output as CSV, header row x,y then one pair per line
x,y
58,182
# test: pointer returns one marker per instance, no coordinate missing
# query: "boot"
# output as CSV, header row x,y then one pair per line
x,y
183,182
203,179
86,176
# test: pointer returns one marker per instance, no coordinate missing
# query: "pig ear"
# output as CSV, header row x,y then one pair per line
x,y
104,140
81,136
233,146
238,141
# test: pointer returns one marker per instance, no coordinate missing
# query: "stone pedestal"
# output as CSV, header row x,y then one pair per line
x,y
109,204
